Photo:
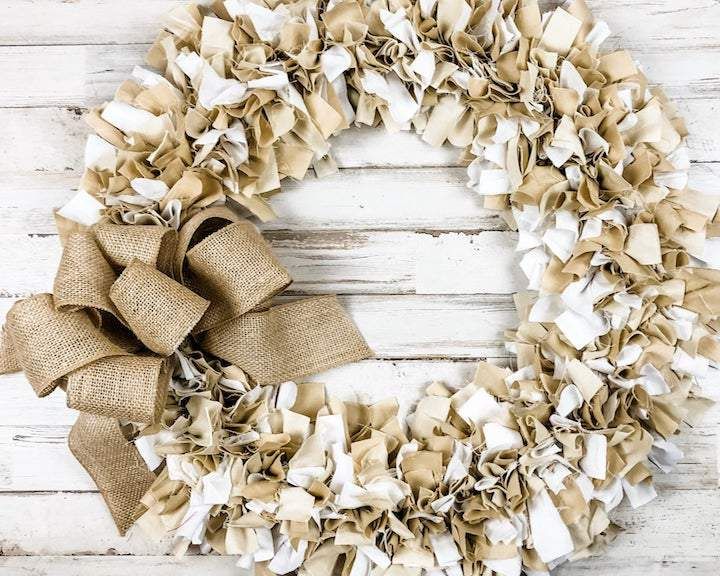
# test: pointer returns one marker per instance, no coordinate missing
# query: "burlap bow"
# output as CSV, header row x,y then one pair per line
x,y
125,298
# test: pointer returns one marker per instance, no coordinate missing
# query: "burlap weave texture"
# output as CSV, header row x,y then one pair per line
x,y
49,344
113,463
125,387
289,341
160,311
236,270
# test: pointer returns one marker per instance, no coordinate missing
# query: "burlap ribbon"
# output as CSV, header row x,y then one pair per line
x,y
113,463
126,387
8,359
234,270
288,341
159,311
49,344
109,332
154,245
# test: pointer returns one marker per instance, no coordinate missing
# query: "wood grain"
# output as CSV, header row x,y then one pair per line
x,y
86,74
339,262
225,566
353,199
52,140
30,451
134,21
117,565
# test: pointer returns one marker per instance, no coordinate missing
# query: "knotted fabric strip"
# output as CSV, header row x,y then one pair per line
x,y
702,291
113,463
289,341
49,344
160,311
130,388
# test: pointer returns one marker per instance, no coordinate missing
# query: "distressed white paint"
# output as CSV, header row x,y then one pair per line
x,y
24,129
366,381
665,25
362,232
645,564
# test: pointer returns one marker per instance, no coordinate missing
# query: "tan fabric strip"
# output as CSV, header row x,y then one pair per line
x,y
8,361
125,387
160,311
113,463
234,269
84,277
197,228
289,341
50,344
154,245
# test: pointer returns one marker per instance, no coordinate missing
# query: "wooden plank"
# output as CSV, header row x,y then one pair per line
x,y
29,410
65,75
408,326
116,565
354,199
53,140
399,262
641,24
367,382
658,25
30,451
33,432
82,21
332,262
628,563
85,75
623,562
33,436
65,524
679,525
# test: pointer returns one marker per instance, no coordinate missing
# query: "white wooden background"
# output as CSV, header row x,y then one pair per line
x,y
425,271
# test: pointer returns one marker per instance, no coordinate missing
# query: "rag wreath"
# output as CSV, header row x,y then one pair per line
x,y
163,331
